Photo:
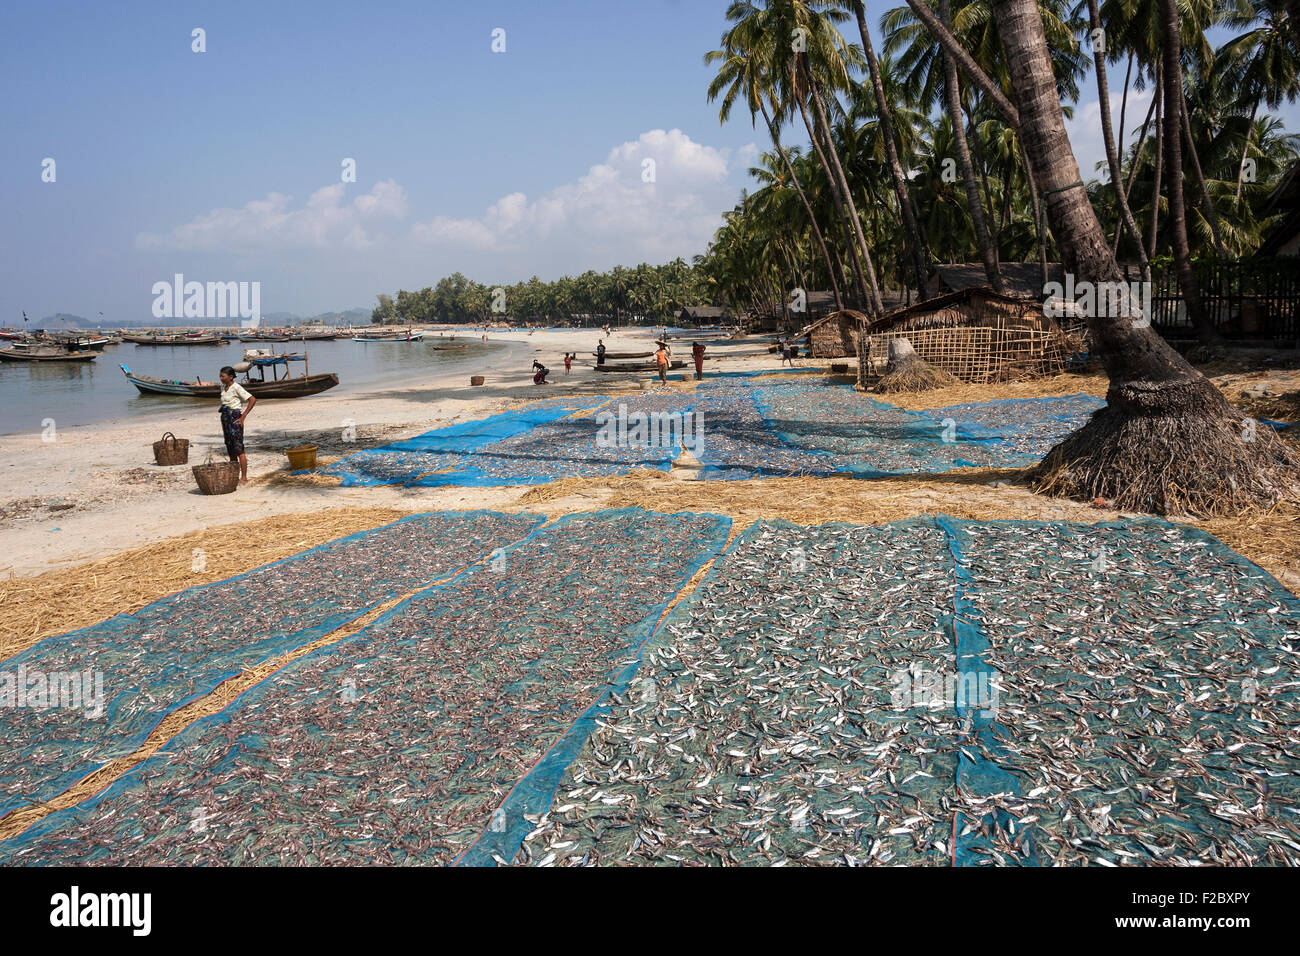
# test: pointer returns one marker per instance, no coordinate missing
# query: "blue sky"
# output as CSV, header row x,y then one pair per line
x,y
225,165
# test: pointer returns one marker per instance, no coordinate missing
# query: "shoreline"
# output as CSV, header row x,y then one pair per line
x,y
95,490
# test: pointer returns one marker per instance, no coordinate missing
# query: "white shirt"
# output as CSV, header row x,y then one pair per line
x,y
235,396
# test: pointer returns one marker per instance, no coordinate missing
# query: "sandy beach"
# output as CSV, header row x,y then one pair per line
x,y
95,489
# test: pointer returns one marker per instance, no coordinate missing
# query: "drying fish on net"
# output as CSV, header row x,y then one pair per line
x,y
544,443
155,659
1149,706
766,724
1025,428
652,434
397,744
446,448
739,444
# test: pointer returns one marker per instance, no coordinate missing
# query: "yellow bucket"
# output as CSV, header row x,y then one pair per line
x,y
302,458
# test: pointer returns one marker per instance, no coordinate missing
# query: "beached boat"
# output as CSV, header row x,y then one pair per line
x,y
624,355
45,353
407,336
286,386
639,367
173,339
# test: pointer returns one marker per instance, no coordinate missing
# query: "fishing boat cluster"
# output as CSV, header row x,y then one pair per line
x,y
80,347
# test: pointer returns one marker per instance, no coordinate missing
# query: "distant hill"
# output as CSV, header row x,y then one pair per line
x,y
65,320
61,320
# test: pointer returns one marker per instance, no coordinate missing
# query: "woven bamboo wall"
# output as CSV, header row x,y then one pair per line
x,y
1007,351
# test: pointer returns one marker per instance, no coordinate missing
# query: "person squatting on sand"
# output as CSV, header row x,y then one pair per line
x,y
540,372
236,403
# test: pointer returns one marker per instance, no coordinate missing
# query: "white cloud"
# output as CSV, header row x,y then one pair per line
x,y
325,220
613,204
1085,129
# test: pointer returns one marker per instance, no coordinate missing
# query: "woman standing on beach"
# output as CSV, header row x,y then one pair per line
x,y
236,403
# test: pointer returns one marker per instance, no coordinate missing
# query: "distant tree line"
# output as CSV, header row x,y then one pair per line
x,y
642,295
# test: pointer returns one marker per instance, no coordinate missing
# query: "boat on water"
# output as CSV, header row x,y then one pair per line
x,y
639,367
43,352
407,336
277,386
173,339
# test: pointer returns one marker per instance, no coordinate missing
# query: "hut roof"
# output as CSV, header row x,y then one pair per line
x,y
1024,278
851,314
1285,196
926,309
705,311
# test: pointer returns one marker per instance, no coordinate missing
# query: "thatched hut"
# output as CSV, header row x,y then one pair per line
x,y
836,335
978,335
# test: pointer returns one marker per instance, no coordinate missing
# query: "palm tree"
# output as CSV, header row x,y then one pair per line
x,y
1149,447
1108,136
916,246
1264,63
739,75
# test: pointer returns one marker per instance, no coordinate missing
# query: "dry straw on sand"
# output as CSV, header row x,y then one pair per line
x,y
60,601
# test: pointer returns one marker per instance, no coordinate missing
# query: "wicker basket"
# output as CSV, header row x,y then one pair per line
x,y
217,478
476,379
171,450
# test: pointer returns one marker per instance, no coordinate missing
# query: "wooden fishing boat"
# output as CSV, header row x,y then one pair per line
x,y
639,367
624,355
287,386
45,353
407,336
173,339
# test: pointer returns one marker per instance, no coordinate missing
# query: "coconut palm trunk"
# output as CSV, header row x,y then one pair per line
x,y
919,255
1133,171
1245,148
819,114
1207,203
1112,152
803,198
1172,86
952,99
1167,440
1158,166
837,201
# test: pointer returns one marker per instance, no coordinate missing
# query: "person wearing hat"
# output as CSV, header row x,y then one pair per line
x,y
661,361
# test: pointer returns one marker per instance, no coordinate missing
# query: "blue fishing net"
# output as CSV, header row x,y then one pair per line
x,y
446,448
157,659
763,726
1021,430
737,442
1119,693
581,447
397,744
754,425
1149,701
540,444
